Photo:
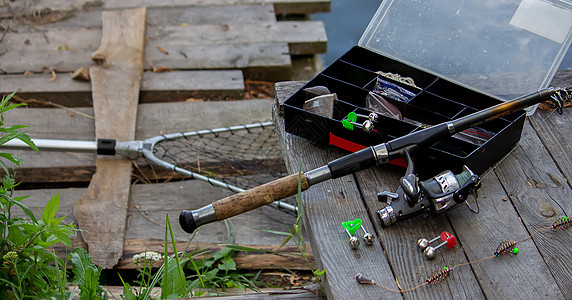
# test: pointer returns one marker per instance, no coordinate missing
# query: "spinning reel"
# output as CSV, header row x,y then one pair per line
x,y
435,195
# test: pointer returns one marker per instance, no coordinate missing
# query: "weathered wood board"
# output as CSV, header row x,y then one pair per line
x,y
155,87
150,203
325,207
172,15
210,46
281,6
102,210
525,192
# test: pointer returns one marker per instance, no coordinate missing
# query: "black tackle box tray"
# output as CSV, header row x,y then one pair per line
x,y
353,76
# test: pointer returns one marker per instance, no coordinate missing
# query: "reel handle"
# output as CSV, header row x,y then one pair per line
x,y
242,202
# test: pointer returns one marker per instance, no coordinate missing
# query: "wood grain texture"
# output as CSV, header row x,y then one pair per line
x,y
527,193
282,6
259,196
207,46
155,87
102,211
325,206
399,242
530,179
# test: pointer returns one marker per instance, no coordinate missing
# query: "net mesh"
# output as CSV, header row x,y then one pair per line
x,y
243,157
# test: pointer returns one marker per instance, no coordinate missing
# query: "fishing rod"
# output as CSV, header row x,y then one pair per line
x,y
377,155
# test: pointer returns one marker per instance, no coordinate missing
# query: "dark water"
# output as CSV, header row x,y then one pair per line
x,y
348,19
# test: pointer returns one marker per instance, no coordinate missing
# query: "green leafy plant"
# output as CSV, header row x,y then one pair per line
x,y
170,276
217,272
86,275
29,268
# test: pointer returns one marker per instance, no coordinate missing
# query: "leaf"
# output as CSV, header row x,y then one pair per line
x,y
277,232
26,139
221,253
227,264
173,277
80,262
24,208
127,291
16,237
210,275
246,249
63,237
10,157
86,275
51,209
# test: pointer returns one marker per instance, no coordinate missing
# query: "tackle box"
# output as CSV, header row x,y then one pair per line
x,y
441,60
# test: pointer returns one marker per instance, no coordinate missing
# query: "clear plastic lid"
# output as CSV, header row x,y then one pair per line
x,y
503,48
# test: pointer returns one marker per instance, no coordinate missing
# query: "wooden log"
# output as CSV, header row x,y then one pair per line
x,y
155,87
101,212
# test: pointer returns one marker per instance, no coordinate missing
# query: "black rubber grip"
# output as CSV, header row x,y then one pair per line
x,y
106,146
352,163
187,221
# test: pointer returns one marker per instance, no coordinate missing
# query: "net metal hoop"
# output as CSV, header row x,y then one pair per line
x,y
148,148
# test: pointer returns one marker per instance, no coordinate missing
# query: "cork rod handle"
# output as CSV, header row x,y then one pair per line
x,y
259,196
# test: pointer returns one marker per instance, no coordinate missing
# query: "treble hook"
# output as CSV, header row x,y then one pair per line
x,y
560,96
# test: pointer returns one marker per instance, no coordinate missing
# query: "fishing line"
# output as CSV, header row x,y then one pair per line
x,y
439,275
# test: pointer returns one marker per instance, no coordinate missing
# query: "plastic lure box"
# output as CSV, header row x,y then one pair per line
x,y
419,64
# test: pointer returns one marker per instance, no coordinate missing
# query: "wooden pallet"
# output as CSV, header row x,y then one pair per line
x,y
194,51
243,35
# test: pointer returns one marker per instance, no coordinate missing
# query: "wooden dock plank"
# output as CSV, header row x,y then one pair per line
x,y
268,61
155,87
399,242
555,130
530,179
165,15
219,46
102,210
264,61
490,227
149,204
480,234
325,207
282,6
306,37
499,220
